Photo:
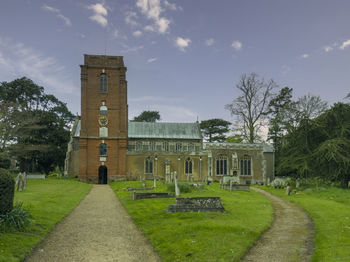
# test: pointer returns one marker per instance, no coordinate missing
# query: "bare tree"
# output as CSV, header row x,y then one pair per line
x,y
251,107
310,106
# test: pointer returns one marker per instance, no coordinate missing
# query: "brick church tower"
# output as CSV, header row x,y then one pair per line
x,y
104,119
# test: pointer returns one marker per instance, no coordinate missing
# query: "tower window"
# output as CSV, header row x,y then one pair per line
x,y
103,83
103,149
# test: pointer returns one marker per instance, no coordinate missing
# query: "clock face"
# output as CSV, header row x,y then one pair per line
x,y
103,120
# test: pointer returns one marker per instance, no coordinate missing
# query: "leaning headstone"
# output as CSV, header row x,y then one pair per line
x,y
177,190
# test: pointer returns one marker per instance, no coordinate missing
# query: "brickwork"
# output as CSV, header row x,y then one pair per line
x,y
116,101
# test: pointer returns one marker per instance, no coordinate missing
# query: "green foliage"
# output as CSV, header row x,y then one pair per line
x,y
5,161
319,147
147,116
7,189
17,219
34,126
203,236
234,139
184,187
215,129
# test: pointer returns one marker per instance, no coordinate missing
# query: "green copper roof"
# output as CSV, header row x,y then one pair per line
x,y
164,130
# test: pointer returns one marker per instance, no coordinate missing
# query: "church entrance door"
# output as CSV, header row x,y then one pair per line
x,y
102,175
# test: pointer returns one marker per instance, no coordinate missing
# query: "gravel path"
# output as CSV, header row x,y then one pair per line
x,y
99,229
290,237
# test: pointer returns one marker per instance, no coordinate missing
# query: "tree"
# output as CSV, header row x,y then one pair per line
x,y
281,111
147,116
215,129
310,106
234,139
251,107
35,126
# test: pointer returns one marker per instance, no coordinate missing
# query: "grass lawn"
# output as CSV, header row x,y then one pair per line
x,y
199,236
48,201
329,208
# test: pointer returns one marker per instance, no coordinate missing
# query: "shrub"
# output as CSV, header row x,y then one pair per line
x,y
7,191
184,188
17,219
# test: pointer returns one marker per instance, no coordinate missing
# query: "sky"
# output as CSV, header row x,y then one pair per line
x,y
184,57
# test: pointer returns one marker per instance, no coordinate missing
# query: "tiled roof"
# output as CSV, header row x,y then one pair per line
x,y
164,130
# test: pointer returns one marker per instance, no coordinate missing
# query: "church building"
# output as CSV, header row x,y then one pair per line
x,y
105,146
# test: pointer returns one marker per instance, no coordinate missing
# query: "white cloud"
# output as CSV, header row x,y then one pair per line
x,y
172,6
237,45
21,60
182,43
345,44
99,14
58,14
209,42
130,18
137,33
132,49
305,56
152,10
149,28
151,60
328,48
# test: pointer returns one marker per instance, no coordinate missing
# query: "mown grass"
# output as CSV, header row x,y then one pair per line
x,y
329,208
48,201
199,236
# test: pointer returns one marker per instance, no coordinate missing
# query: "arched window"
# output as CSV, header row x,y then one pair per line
x,y
103,149
245,166
165,146
188,166
221,165
148,166
103,83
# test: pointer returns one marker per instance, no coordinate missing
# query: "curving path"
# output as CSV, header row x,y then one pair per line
x,y
290,237
99,229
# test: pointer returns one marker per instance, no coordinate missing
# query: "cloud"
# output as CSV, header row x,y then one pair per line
x,y
172,6
115,33
328,48
152,10
130,18
58,14
99,14
305,55
21,60
345,44
132,49
237,45
182,43
151,60
209,42
137,33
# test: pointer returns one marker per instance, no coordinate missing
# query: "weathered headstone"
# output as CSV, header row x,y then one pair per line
x,y
288,190
21,181
147,195
177,190
197,204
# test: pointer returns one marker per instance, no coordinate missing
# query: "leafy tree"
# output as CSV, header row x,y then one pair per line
x,y
251,107
35,129
234,139
215,129
281,111
147,116
319,147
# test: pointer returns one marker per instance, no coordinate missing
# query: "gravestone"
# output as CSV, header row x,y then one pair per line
x,y
177,190
147,195
21,182
197,204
